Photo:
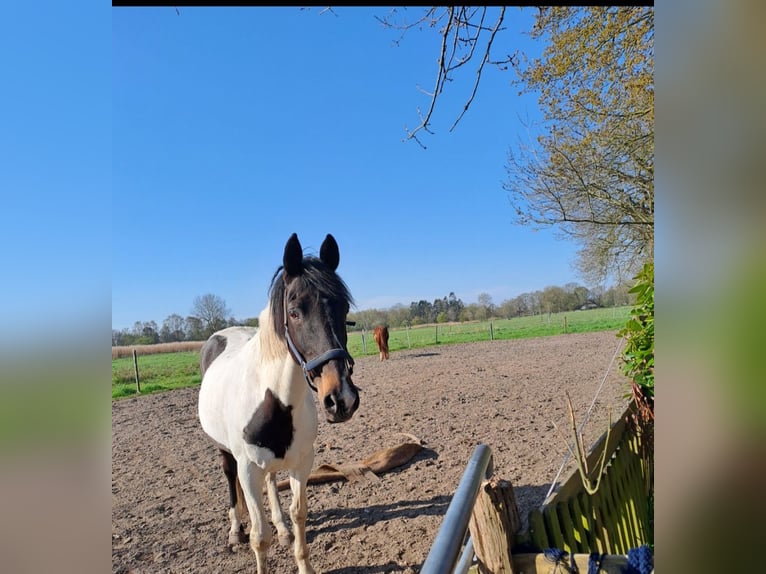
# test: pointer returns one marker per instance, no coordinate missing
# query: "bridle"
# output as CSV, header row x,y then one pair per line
x,y
337,353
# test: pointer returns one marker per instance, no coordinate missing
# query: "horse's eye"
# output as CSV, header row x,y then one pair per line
x,y
294,313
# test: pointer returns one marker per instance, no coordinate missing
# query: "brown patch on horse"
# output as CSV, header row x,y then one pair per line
x,y
271,426
337,395
210,351
236,496
329,380
381,338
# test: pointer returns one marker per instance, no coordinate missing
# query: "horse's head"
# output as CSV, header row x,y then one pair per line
x,y
309,305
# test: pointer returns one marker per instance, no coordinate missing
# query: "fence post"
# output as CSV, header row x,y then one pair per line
x,y
565,323
135,368
409,346
491,332
364,344
494,523
437,334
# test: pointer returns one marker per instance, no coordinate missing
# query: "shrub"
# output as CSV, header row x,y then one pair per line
x,y
638,356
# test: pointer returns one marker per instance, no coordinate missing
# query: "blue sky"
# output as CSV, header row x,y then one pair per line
x,y
55,168
233,128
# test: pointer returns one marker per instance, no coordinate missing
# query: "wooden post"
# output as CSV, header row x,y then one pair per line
x,y
437,333
493,525
409,346
565,323
491,332
364,344
135,367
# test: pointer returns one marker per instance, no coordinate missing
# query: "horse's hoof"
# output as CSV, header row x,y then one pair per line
x,y
237,538
286,539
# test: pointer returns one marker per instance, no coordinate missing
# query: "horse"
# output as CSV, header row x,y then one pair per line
x,y
381,338
256,401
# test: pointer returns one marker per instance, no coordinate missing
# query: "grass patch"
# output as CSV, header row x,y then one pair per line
x,y
158,372
360,344
163,370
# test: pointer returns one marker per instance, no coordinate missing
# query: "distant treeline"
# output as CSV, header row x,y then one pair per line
x,y
174,329
572,296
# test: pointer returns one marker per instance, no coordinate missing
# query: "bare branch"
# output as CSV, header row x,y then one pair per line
x,y
440,78
484,60
458,44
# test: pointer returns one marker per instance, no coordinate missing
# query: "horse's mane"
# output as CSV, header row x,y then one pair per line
x,y
316,275
272,348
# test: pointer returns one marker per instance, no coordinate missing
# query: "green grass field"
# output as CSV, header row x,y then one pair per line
x,y
159,372
517,328
166,371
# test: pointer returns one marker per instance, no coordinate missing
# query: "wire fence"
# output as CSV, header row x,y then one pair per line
x,y
360,341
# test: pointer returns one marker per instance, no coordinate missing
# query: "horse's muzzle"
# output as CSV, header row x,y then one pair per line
x,y
340,405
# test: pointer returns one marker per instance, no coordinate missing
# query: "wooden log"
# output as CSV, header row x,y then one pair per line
x,y
493,525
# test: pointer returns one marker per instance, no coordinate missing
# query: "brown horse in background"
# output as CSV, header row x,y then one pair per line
x,y
381,338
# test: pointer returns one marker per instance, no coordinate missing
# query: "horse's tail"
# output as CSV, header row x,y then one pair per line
x,y
384,337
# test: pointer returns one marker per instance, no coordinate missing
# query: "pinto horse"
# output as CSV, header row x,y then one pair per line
x,y
381,338
256,400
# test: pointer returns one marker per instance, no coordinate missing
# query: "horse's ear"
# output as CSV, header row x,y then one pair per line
x,y
329,253
293,259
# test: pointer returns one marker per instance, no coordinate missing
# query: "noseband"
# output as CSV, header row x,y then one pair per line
x,y
337,353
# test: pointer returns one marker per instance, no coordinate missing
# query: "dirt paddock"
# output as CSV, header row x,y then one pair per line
x,y
169,496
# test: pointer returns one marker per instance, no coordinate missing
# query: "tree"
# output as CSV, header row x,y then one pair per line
x,y
149,334
172,329
211,311
454,307
486,305
466,313
591,173
511,308
194,329
421,312
578,294
553,299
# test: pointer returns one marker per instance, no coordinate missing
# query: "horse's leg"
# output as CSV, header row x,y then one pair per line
x,y
277,516
251,478
299,512
237,531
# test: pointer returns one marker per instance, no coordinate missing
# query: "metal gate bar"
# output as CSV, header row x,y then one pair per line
x,y
446,547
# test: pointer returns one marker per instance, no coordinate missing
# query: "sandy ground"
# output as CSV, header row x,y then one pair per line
x,y
169,496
